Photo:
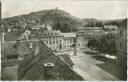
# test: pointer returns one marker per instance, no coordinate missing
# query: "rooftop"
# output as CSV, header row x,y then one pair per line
x,y
12,36
33,66
69,34
12,48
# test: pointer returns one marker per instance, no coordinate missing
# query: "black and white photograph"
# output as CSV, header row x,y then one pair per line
x,y
63,40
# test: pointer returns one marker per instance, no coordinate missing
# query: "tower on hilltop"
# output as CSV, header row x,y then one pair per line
x,y
56,8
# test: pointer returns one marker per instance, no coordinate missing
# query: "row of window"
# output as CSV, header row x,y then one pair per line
x,y
54,47
67,46
58,48
53,42
69,40
53,38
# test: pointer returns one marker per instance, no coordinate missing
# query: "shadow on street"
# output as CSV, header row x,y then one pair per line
x,y
110,67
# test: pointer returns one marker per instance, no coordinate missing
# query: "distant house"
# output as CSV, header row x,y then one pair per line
x,y
24,35
45,66
15,50
84,35
93,28
110,27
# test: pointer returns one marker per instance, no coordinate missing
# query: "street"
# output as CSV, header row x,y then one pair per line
x,y
92,69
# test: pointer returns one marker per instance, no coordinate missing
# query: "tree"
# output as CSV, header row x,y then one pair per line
x,y
99,24
106,44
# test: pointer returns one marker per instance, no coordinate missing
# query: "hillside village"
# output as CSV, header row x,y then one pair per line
x,y
43,45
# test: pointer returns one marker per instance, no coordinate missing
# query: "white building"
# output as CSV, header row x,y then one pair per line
x,y
68,40
110,27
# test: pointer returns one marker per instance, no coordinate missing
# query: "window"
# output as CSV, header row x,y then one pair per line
x,y
64,46
56,41
64,41
21,57
70,40
50,42
47,42
60,41
53,42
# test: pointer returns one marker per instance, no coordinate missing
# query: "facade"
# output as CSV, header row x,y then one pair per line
x,y
58,41
17,50
68,40
83,36
81,39
122,47
122,50
53,39
93,28
110,27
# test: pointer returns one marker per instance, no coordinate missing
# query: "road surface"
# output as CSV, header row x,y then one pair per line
x,y
86,66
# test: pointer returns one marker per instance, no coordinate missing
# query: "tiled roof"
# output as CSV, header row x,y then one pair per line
x,y
90,32
46,33
9,48
32,67
12,36
52,33
66,58
110,26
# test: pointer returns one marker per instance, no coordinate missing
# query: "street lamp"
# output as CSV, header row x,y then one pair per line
x,y
75,46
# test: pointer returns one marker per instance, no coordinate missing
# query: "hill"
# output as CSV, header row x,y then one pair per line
x,y
93,22
59,19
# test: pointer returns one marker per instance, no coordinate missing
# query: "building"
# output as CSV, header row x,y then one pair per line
x,y
122,50
46,66
93,28
81,39
17,50
58,41
68,40
110,27
52,38
83,36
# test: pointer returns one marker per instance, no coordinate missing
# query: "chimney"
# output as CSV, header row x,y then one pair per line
x,y
17,44
36,49
9,30
30,45
49,71
3,34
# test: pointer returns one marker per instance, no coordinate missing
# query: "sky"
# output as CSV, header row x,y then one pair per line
x,y
78,8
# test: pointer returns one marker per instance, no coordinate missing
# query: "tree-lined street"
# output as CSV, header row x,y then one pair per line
x,y
91,68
